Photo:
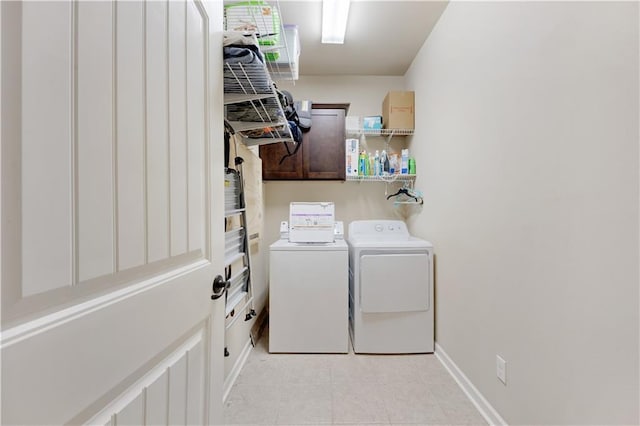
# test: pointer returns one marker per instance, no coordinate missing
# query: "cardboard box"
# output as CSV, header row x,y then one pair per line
x,y
398,110
352,152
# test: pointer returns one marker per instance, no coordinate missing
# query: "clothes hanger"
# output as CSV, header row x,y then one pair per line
x,y
406,192
409,193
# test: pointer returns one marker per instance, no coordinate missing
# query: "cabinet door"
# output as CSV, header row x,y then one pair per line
x,y
274,169
323,147
322,154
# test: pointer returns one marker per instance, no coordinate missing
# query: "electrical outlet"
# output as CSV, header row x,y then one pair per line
x,y
501,369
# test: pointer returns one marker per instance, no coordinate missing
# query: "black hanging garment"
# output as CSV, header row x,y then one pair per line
x,y
227,148
298,114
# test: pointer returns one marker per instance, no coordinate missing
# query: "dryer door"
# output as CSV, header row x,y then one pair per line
x,y
394,282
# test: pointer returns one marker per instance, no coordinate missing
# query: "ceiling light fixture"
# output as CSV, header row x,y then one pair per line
x,y
335,14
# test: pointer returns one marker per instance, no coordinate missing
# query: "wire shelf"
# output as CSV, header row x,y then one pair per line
x,y
278,42
385,178
252,106
380,132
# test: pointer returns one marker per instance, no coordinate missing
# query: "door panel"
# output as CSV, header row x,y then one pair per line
x,y
157,130
195,385
323,146
98,347
132,414
274,169
178,388
157,400
93,143
163,393
95,185
130,131
196,127
47,239
177,128
106,287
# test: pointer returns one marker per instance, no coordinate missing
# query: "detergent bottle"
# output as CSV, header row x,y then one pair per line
x,y
376,164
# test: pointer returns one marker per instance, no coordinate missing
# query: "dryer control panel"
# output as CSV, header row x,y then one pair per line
x,y
393,229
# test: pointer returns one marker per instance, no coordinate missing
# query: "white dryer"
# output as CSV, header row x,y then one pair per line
x,y
390,289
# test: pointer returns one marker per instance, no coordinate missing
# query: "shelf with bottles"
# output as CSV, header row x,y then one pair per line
x,y
389,178
380,132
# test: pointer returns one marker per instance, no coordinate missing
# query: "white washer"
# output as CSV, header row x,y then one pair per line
x,y
309,297
390,288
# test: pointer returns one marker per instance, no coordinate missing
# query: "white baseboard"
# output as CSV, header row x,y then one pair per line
x,y
237,367
488,412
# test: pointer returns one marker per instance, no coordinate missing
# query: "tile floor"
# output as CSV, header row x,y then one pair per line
x,y
297,389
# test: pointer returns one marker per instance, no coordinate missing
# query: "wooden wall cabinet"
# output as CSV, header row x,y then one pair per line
x,y
322,154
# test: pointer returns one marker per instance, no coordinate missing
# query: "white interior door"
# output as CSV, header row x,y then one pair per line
x,y
111,236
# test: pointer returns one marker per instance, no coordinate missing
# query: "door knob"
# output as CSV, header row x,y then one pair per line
x,y
220,285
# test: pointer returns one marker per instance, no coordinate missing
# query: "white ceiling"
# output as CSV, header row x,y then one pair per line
x,y
382,37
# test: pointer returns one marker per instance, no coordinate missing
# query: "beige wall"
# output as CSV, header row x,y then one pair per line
x,y
364,93
529,117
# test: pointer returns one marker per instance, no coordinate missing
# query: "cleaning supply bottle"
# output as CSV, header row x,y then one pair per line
x,y
366,163
361,167
404,167
385,162
412,166
371,165
376,164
